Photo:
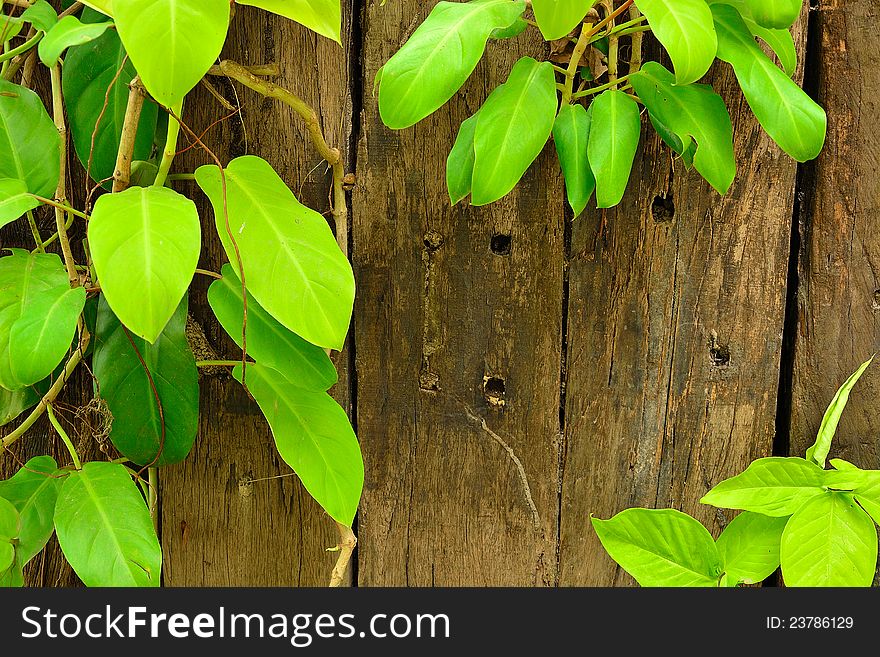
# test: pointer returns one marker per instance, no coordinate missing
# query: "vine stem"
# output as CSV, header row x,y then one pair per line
x,y
61,206
217,363
27,45
61,191
170,145
122,172
346,546
601,88
35,230
64,437
153,496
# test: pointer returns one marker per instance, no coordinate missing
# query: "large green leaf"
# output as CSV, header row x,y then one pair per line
x,y
661,547
512,127
818,452
786,112
33,491
775,13
105,529
29,141
10,525
749,547
460,163
780,41
292,263
314,437
775,486
685,29
268,342
172,43
322,16
438,58
38,316
695,113
571,134
145,244
66,33
556,18
614,140
125,386
15,200
829,542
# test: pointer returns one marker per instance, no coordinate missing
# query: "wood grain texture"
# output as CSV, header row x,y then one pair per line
x,y
442,324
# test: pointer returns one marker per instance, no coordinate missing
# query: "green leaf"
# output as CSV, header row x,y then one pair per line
x,y
89,70
33,491
13,577
775,486
172,43
780,14
818,452
10,524
460,163
38,316
571,134
694,113
513,126
321,16
41,15
780,41
314,437
439,57
105,529
66,33
661,547
14,402
10,27
293,265
145,244
785,111
614,139
29,140
268,342
685,29
557,18
125,386
14,200
829,542
514,30
865,485
103,6
749,547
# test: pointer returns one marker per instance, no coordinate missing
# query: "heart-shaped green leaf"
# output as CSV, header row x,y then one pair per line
x,y
438,58
33,491
105,530
571,134
125,386
749,547
172,43
460,163
14,200
66,33
321,16
556,18
145,244
293,265
513,126
268,342
614,140
780,14
685,29
314,437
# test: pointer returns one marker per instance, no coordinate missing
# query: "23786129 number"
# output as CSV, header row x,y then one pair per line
x,y
810,623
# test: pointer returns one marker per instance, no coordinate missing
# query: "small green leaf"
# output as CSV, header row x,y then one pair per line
x,y
818,452
172,43
791,118
33,491
439,57
268,342
14,402
105,529
749,547
662,547
10,524
694,113
41,15
123,383
571,134
321,16
314,437
779,14
145,244
557,18
14,200
10,27
829,542
293,265
514,30
685,29
614,140
513,126
460,163
775,486
865,485
66,33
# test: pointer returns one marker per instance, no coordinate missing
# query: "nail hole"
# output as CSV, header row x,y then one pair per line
x,y
433,240
428,380
493,390
720,355
663,209
876,304
501,244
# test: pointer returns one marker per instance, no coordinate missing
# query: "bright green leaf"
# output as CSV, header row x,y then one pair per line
x,y
14,200
103,6
145,244
13,577
33,491
775,486
829,542
865,485
10,524
780,41
791,118
172,43
66,33
571,134
268,342
614,140
314,437
321,16
460,163
749,547
125,386
105,529
779,14
557,18
514,30
661,547
293,265
512,127
41,15
14,402
439,57
685,29
10,27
